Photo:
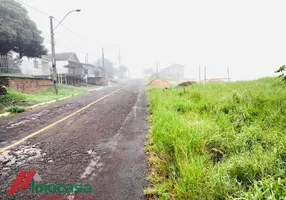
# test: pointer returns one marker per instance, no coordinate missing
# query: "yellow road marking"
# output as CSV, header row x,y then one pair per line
x,y
61,120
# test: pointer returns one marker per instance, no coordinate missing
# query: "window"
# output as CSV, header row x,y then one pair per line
x,y
36,64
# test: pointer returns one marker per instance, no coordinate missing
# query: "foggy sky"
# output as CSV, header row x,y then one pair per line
x,y
247,36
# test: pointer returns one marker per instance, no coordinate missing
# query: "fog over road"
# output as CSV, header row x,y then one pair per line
x,y
102,145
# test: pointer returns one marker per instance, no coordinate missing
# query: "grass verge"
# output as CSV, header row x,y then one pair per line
x,y
218,141
17,99
15,109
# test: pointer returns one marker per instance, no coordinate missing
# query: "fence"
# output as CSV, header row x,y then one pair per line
x,y
69,79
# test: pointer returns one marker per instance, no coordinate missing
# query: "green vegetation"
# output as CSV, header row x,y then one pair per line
x,y
11,97
15,109
218,141
281,72
18,32
49,94
14,98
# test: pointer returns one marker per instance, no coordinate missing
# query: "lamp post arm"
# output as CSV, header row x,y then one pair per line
x,y
64,19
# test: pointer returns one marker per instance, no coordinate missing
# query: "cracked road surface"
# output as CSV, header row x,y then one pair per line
x,y
102,145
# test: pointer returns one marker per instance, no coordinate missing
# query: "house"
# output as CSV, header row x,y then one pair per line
x,y
71,71
28,66
68,63
93,74
26,75
173,72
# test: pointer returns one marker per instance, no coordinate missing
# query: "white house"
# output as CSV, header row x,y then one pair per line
x,y
32,66
68,63
70,68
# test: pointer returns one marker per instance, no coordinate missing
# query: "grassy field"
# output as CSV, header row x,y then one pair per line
x,y
14,98
218,141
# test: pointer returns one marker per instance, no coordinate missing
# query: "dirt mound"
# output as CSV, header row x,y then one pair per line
x,y
159,83
187,83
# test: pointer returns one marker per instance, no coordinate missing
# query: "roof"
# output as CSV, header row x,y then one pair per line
x,y
74,65
62,56
176,65
46,58
90,65
172,66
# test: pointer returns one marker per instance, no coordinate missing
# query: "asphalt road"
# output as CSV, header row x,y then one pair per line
x,y
102,145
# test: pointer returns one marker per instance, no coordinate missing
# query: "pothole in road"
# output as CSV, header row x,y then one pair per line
x,y
11,158
26,120
93,165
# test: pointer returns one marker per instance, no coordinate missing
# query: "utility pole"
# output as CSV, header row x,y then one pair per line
x,y
53,56
199,74
119,57
157,68
104,72
86,58
205,74
53,47
228,74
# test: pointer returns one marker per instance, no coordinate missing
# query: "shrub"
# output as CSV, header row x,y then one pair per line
x,y
15,109
281,70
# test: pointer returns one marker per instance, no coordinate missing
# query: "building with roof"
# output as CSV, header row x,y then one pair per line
x,y
68,63
27,66
71,71
173,72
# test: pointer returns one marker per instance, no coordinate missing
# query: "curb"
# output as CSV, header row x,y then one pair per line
x,y
6,114
49,102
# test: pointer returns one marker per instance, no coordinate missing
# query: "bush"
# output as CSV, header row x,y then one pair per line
x,y
15,109
12,96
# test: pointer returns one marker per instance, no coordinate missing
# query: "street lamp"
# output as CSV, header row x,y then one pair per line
x,y
53,47
77,10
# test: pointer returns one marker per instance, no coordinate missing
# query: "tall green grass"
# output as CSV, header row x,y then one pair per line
x,y
219,141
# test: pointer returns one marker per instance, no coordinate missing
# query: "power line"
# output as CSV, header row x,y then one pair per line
x,y
48,16
33,8
66,44
69,29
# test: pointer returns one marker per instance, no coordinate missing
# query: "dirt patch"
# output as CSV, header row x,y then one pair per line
x,y
187,83
159,83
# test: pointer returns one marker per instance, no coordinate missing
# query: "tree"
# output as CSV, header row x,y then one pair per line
x,y
108,66
281,70
18,32
122,69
